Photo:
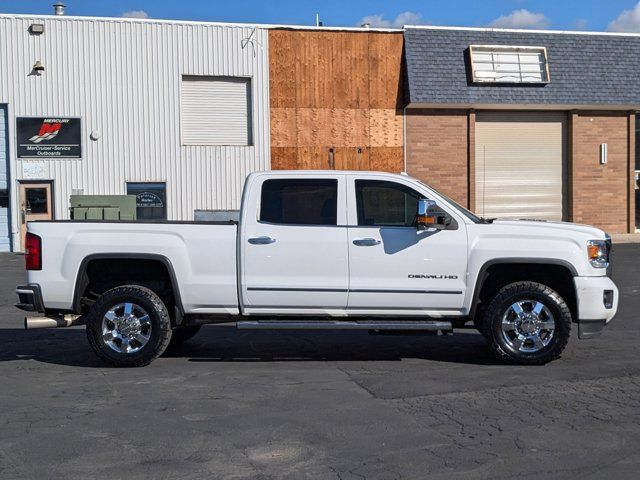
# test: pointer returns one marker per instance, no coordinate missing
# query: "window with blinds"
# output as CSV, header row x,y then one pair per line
x,y
501,64
216,110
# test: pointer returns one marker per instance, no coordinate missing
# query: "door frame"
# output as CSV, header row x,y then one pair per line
x,y
19,196
4,117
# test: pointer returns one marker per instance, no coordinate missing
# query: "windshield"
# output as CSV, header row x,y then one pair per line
x,y
470,215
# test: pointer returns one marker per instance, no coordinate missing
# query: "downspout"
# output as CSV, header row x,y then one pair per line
x,y
404,138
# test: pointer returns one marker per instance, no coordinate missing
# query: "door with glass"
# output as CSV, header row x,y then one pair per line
x,y
35,204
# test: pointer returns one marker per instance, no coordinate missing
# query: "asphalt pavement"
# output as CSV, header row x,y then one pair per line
x,y
320,405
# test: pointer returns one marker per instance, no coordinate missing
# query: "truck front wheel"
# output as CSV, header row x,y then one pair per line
x,y
128,326
527,323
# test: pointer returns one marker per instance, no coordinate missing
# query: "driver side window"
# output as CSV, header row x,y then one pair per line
x,y
385,204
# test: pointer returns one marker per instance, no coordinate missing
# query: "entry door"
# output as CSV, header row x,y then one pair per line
x,y
394,266
35,204
294,245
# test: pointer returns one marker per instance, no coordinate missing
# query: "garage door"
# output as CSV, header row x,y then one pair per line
x,y
520,159
5,244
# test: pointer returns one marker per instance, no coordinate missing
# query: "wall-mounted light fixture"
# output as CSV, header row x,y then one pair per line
x,y
38,66
36,28
603,153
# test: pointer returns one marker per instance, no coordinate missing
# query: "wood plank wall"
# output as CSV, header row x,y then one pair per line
x,y
336,100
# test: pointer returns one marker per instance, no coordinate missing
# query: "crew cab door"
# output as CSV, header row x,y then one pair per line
x,y
294,247
393,265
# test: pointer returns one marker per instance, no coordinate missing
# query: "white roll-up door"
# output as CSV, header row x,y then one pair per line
x,y
216,111
519,164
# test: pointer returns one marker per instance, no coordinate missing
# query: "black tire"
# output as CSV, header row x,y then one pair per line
x,y
183,334
159,333
500,306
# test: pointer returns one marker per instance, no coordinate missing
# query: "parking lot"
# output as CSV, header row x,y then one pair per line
x,y
337,405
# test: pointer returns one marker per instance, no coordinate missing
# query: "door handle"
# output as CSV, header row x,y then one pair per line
x,y
366,242
261,240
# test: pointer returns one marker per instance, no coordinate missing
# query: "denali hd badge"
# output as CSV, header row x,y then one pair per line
x,y
433,277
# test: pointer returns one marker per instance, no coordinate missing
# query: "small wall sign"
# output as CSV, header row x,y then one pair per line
x,y
33,171
49,137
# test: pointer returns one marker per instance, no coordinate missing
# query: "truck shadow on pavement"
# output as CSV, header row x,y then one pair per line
x,y
227,344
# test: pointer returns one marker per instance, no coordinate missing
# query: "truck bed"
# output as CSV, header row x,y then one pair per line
x,y
201,257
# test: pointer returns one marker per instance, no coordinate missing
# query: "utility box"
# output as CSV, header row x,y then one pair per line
x,y
103,207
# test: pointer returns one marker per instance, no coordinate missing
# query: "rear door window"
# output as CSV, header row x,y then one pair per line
x,y
299,201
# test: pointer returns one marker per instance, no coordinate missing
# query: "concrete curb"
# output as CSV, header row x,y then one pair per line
x,y
626,238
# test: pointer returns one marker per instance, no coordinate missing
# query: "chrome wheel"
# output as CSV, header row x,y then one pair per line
x,y
126,328
528,326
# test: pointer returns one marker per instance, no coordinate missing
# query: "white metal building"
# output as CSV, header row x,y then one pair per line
x,y
177,111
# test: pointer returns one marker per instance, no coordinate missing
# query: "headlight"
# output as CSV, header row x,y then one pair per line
x,y
598,252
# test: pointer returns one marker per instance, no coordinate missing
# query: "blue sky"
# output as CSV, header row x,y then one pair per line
x,y
614,15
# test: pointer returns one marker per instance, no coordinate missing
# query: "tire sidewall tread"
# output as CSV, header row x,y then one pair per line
x,y
530,290
160,331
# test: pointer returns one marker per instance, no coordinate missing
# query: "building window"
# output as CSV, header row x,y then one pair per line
x,y
501,64
151,200
299,201
4,198
216,111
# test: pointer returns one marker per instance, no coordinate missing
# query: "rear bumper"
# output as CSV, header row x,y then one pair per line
x,y
30,298
597,301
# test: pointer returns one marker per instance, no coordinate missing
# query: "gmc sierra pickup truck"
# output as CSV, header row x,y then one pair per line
x,y
322,250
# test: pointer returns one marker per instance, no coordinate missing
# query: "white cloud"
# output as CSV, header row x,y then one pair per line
x,y
521,19
135,14
580,24
405,18
627,21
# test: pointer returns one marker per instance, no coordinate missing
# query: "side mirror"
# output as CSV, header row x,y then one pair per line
x,y
429,216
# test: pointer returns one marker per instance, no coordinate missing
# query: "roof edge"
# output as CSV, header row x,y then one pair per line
x,y
520,30
523,106
266,26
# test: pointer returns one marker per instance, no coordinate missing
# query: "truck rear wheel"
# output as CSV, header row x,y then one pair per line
x,y
527,323
128,326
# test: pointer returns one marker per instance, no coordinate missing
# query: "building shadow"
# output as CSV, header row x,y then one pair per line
x,y
69,347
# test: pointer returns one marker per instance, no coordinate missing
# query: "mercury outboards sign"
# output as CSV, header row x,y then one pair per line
x,y
54,137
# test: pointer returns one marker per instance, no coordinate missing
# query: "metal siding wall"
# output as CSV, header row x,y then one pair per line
x,y
123,78
5,242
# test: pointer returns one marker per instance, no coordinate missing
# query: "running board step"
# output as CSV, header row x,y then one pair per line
x,y
343,325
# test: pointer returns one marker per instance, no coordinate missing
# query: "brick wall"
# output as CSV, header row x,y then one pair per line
x,y
599,194
437,150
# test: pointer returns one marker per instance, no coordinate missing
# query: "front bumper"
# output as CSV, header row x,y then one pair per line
x,y
30,298
597,302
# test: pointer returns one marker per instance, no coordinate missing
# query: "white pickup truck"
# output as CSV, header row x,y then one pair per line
x,y
322,250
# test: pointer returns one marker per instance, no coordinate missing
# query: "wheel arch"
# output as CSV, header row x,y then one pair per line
x,y
83,280
519,265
